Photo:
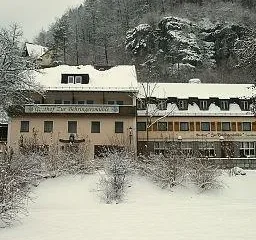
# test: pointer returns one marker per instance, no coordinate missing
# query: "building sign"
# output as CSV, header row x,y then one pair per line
x,y
71,109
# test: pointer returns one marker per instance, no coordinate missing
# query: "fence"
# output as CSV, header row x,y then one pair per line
x,y
227,163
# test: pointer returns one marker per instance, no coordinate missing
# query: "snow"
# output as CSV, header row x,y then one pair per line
x,y
68,207
118,78
35,50
201,91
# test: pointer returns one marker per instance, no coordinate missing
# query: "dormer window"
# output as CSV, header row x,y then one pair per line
x,y
203,104
182,104
70,79
75,78
244,105
224,105
141,104
78,79
162,105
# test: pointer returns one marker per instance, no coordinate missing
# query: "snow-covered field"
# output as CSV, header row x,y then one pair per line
x,y
68,208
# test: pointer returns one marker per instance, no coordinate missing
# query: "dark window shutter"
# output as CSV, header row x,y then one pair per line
x,y
239,126
233,126
64,78
213,126
253,126
170,126
197,126
155,127
218,126
176,126
192,126
85,78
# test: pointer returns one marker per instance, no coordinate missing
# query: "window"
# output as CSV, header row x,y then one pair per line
x,y
246,126
80,102
120,102
70,79
224,105
162,105
162,126
72,126
78,79
58,101
48,126
182,105
141,104
119,127
205,126
113,102
225,126
184,126
37,102
141,126
24,126
247,149
89,102
67,102
206,149
95,127
244,105
203,104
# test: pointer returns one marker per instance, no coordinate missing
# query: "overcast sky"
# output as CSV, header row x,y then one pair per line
x,y
33,15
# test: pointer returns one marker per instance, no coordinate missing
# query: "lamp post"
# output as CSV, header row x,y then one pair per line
x,y
130,135
222,150
179,142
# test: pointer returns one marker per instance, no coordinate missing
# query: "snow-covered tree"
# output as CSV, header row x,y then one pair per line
x,y
15,76
117,165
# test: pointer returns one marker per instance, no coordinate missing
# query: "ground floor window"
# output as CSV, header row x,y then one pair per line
x,y
247,149
206,149
48,126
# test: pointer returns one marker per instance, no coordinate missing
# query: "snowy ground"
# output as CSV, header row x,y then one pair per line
x,y
68,208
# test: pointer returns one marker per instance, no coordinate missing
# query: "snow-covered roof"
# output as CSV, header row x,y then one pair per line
x,y
201,90
194,110
118,78
35,50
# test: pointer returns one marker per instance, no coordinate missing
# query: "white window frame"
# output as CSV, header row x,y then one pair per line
x,y
247,149
224,105
70,79
244,105
78,79
203,104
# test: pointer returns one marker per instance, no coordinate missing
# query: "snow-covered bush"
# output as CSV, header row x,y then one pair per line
x,y
205,175
176,168
72,160
114,180
18,174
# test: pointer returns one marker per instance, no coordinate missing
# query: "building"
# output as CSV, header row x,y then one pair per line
x,y
214,120
105,106
81,104
43,55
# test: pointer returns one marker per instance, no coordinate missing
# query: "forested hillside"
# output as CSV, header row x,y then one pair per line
x,y
168,40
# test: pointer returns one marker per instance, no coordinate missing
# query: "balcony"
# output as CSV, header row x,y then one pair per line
x,y
79,109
